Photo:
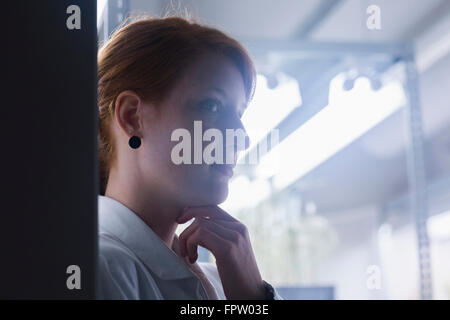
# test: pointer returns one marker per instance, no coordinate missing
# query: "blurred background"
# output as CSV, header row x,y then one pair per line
x,y
353,202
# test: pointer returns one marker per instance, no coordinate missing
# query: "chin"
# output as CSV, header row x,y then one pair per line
x,y
205,186
218,198
212,196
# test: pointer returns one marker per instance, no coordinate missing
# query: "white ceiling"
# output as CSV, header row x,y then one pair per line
x,y
284,18
398,18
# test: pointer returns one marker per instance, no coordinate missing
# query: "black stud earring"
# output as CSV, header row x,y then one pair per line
x,y
134,142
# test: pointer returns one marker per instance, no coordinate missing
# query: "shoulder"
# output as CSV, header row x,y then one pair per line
x,y
112,250
121,273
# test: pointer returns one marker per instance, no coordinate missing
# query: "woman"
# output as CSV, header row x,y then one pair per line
x,y
157,76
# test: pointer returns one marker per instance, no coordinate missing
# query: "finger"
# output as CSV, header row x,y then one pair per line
x,y
184,235
232,225
214,212
192,246
201,225
207,239
224,229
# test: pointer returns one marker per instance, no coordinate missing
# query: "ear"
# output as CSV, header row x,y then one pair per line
x,y
128,113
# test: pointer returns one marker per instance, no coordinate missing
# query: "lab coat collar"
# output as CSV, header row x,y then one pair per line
x,y
119,221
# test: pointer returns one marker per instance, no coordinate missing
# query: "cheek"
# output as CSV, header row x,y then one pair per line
x,y
157,160
191,183
159,132
155,153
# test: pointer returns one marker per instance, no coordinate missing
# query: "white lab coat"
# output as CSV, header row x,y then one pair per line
x,y
134,263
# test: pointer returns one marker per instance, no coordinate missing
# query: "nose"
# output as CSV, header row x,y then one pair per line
x,y
239,126
247,142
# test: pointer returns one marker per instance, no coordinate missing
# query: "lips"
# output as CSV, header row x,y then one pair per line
x,y
224,169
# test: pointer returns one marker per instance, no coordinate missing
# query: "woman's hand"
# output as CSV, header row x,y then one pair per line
x,y
229,242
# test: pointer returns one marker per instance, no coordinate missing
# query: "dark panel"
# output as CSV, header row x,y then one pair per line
x,y
49,159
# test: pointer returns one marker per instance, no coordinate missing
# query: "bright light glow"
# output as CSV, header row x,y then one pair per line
x,y
101,4
349,115
270,106
245,193
433,53
439,226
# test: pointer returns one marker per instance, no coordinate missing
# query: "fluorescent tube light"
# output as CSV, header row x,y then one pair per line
x,y
348,116
270,106
439,226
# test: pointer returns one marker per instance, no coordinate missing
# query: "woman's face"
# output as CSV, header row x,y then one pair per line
x,y
212,91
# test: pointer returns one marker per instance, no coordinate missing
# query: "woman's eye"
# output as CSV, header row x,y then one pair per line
x,y
211,105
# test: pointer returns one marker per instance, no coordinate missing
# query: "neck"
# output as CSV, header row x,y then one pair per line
x,y
156,210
